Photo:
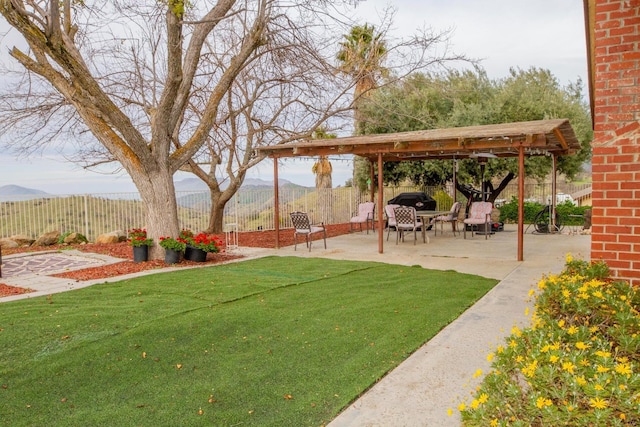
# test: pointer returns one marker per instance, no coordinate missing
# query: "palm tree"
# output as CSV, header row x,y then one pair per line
x,y
322,169
361,56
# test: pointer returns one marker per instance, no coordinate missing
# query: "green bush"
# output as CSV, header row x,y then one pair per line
x,y
576,365
509,212
443,200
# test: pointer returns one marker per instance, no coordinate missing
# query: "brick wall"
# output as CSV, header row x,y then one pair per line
x,y
616,146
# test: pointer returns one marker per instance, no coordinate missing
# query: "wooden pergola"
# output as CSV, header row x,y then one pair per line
x,y
541,137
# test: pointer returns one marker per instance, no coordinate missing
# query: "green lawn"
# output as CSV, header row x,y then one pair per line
x,y
278,341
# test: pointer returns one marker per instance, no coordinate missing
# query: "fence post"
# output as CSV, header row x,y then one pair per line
x,y
86,217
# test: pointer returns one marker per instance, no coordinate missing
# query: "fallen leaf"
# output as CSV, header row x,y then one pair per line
x,y
144,354
179,366
66,337
211,399
200,411
288,396
63,400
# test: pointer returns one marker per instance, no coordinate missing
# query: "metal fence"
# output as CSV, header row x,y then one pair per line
x,y
96,214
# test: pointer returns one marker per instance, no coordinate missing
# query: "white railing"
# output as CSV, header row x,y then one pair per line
x,y
251,210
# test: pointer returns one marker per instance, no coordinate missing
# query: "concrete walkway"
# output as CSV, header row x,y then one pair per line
x,y
439,375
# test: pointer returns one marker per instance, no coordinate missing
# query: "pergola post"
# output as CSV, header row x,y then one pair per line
x,y
380,205
552,211
521,201
276,202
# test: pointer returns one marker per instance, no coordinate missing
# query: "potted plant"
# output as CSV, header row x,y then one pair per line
x,y
140,242
173,249
199,245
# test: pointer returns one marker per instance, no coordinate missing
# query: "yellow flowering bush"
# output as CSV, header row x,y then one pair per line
x,y
578,364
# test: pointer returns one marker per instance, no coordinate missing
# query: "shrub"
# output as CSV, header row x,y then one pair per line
x,y
443,200
578,362
509,212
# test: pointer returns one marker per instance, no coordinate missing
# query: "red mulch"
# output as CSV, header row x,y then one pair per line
x,y
255,239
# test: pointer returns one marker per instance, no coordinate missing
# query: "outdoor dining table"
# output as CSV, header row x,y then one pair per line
x,y
426,217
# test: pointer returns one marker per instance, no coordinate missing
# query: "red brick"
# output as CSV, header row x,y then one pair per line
x,y
619,194
626,176
628,128
631,202
621,47
606,238
608,203
634,148
607,7
631,38
618,230
621,158
608,221
622,65
618,248
619,212
605,150
622,117
617,265
629,54
623,13
604,168
630,238
604,185
632,167
630,185
623,82
621,31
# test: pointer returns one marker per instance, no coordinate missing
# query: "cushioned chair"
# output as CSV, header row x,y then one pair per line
x,y
366,215
480,213
391,217
451,217
406,221
302,225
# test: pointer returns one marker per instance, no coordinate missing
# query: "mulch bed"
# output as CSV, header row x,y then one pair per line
x,y
254,239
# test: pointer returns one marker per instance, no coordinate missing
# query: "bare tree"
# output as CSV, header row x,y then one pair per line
x,y
132,73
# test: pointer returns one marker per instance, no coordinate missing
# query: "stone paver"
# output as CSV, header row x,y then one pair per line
x,y
45,263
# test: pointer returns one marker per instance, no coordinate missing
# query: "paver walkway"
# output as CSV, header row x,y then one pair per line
x,y
45,263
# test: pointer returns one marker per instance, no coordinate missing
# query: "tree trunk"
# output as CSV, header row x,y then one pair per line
x,y
216,214
159,197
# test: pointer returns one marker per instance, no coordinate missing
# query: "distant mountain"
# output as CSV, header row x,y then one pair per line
x,y
196,184
16,193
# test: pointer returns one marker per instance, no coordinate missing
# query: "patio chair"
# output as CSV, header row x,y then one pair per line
x,y
391,217
366,215
451,217
480,213
302,225
406,221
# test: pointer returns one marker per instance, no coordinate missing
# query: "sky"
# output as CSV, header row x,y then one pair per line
x,y
501,34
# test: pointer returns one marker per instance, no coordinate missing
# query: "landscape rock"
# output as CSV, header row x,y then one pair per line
x,y
47,239
7,243
112,237
75,239
22,240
